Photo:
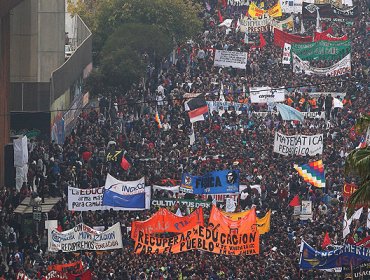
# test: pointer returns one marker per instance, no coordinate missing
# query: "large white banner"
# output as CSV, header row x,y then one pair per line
x,y
230,58
340,68
83,237
92,200
259,25
333,94
266,94
298,144
307,115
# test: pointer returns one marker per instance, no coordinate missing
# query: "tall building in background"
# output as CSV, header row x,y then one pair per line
x,y
45,66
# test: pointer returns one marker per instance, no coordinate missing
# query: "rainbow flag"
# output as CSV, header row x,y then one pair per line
x,y
312,172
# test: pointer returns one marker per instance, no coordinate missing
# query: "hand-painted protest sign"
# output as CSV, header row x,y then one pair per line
x,y
215,182
347,255
92,200
322,50
58,275
286,53
342,67
237,2
83,237
200,238
230,59
333,94
349,189
189,203
166,221
306,210
266,94
225,105
291,6
126,194
307,115
283,24
255,25
263,224
298,144
360,272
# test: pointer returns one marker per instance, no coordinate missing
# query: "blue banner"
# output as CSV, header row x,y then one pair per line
x,y
325,260
125,194
114,199
215,182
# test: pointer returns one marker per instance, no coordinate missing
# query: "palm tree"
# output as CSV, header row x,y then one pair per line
x,y
358,163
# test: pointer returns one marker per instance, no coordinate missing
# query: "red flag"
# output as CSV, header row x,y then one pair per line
x,y
262,41
125,164
220,18
224,3
295,201
326,241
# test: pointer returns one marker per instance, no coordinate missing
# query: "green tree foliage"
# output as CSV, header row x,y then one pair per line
x,y
126,32
358,163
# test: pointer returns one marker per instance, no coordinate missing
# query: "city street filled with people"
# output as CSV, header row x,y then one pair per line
x,y
150,128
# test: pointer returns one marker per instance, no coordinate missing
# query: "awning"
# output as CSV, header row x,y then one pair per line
x,y
26,208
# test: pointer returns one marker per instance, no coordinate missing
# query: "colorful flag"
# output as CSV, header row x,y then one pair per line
x,y
312,172
220,18
288,113
262,41
326,241
125,164
362,144
295,201
198,108
158,120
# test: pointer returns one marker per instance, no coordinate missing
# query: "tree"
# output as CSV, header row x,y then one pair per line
x,y
176,18
358,163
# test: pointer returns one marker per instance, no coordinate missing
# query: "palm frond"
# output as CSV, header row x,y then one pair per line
x,y
362,124
358,162
360,198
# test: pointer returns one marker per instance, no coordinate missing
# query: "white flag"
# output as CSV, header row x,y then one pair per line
x,y
302,27
346,225
318,23
178,213
192,135
368,218
222,97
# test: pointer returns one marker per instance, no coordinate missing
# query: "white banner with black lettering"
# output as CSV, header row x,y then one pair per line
x,y
92,200
230,58
83,237
340,68
266,94
225,106
259,25
298,144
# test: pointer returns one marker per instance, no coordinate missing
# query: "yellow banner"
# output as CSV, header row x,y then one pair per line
x,y
275,11
256,12
263,224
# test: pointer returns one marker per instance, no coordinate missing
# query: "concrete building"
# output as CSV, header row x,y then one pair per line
x,y
38,84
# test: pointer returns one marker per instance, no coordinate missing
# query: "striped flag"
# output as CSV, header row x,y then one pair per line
x,y
312,172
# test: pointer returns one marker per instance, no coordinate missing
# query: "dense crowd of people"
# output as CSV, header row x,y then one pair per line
x,y
233,140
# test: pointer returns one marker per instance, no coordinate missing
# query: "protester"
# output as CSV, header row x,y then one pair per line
x,y
240,140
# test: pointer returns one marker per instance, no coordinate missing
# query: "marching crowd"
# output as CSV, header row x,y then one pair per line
x,y
234,140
